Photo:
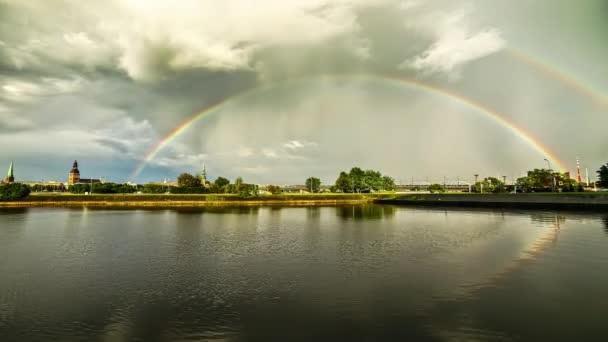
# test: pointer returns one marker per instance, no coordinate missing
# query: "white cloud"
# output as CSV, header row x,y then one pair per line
x,y
17,90
456,45
244,152
270,153
147,38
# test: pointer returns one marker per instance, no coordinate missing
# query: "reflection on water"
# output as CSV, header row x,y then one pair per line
x,y
311,273
365,212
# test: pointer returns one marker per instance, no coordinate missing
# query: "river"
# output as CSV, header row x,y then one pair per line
x,y
346,273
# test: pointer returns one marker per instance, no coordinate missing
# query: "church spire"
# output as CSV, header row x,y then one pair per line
x,y
10,176
204,175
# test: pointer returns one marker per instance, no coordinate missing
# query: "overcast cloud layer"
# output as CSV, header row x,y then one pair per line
x,y
104,81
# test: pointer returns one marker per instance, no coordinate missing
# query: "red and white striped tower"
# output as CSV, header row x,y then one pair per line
x,y
579,178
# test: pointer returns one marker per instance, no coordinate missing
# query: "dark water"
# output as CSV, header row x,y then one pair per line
x,y
303,274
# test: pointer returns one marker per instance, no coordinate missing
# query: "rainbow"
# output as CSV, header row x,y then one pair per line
x,y
408,83
564,77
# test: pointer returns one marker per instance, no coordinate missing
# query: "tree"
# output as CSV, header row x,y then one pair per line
x,y
13,191
542,180
188,180
356,176
344,183
273,189
152,189
188,190
372,181
602,174
247,190
313,184
219,186
434,188
388,183
221,182
238,185
490,185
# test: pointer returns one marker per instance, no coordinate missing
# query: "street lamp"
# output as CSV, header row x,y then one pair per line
x,y
548,164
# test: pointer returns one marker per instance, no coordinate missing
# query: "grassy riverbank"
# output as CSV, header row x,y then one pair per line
x,y
587,200
574,201
198,200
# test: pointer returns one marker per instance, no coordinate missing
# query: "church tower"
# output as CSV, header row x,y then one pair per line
x,y
74,176
204,176
10,177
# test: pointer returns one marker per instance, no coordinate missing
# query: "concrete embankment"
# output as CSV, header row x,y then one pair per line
x,y
177,201
575,201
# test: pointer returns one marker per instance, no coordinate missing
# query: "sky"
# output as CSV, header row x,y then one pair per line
x,y
417,89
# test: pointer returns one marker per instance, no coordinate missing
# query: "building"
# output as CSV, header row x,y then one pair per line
x,y
74,176
45,186
10,177
204,176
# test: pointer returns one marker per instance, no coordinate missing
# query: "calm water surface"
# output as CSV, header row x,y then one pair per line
x,y
336,273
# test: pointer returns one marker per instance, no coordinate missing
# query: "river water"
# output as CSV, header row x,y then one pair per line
x,y
303,274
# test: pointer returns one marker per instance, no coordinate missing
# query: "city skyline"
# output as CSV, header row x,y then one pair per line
x,y
412,88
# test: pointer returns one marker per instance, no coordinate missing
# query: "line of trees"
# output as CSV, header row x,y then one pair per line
x,y
543,180
13,192
358,181
104,188
189,184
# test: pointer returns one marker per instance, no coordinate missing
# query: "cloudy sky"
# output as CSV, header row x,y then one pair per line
x,y
310,87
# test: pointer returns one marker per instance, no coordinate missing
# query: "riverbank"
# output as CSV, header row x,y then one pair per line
x,y
176,201
569,201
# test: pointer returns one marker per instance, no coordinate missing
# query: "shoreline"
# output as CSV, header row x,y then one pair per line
x,y
579,201
177,204
546,201
187,201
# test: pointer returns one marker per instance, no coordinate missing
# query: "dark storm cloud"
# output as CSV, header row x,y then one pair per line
x,y
112,78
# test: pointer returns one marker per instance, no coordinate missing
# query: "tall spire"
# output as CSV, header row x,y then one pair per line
x,y
579,178
204,175
10,176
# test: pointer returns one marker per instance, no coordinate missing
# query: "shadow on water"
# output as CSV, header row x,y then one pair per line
x,y
13,211
365,212
605,221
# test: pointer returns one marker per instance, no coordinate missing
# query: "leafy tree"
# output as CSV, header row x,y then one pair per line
x,y
13,191
372,181
248,190
542,180
313,184
221,182
344,183
237,187
490,185
434,188
273,189
188,190
220,186
388,183
154,189
356,176
188,180
602,174
80,188
47,188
